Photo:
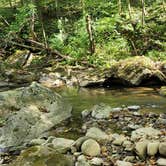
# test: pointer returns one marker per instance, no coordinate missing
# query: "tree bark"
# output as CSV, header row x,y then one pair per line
x,y
129,8
90,34
120,6
143,12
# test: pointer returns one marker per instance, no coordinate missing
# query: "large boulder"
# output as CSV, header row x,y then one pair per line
x,y
42,156
135,71
29,112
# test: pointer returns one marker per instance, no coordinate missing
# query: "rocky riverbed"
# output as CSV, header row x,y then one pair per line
x,y
122,136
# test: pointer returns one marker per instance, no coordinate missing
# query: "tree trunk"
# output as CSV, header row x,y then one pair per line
x,y
10,3
143,12
129,8
120,6
90,33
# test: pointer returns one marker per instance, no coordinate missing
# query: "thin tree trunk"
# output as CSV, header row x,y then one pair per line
x,y
129,8
90,33
32,26
10,3
134,47
143,12
120,6
163,4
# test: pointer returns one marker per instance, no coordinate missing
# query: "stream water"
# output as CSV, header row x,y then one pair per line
x,y
148,98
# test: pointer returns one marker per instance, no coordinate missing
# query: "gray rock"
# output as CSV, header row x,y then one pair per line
x,y
62,145
90,148
161,121
162,149
85,113
79,142
152,148
145,132
133,107
96,161
123,163
117,109
82,161
101,111
141,148
119,140
128,145
97,134
161,162
34,110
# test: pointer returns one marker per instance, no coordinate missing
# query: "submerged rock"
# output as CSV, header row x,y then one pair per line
x,y
32,111
42,156
101,111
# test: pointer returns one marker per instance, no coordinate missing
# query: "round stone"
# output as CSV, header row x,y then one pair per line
x,y
162,148
90,148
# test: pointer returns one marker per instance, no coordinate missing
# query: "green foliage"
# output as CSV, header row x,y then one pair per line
x,y
22,18
117,35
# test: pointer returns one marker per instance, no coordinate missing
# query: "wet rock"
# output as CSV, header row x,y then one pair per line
x,y
101,111
145,132
96,161
43,156
141,148
97,134
161,162
62,145
162,149
34,110
123,163
90,148
152,148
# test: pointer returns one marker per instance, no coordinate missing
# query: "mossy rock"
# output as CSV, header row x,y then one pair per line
x,y
42,156
135,71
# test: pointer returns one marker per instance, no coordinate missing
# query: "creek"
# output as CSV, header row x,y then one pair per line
x,y
148,98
